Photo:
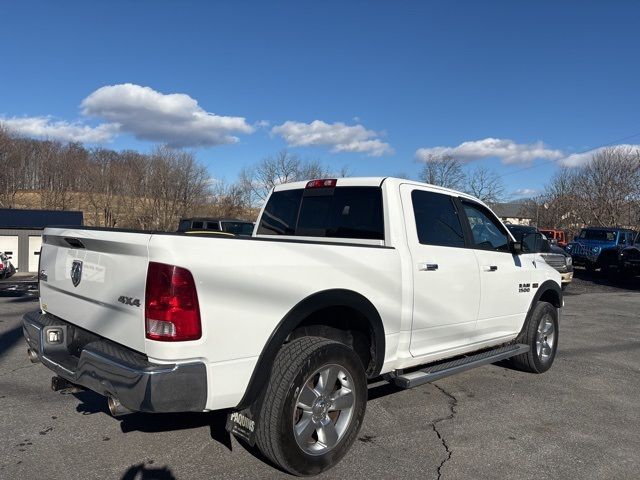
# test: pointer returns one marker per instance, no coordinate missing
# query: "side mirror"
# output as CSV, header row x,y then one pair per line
x,y
533,243
516,248
554,241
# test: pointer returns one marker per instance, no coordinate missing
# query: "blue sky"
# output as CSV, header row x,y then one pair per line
x,y
381,80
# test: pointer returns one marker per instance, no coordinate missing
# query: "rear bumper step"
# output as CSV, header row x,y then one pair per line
x,y
451,367
85,359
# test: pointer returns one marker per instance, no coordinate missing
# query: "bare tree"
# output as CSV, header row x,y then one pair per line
x,y
284,167
561,201
175,186
603,192
9,169
608,187
443,170
228,200
485,184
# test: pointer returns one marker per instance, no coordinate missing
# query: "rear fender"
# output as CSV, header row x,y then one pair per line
x,y
305,308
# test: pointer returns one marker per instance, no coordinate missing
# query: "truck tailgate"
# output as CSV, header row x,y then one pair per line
x,y
95,279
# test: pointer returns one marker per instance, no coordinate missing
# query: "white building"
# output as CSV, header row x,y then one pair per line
x,y
21,233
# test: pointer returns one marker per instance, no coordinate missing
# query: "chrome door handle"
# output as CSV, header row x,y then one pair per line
x,y
427,266
490,268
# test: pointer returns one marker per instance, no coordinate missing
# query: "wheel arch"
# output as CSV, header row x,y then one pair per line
x,y
548,291
296,318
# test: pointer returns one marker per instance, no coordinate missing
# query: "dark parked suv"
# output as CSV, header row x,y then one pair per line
x,y
231,226
629,258
597,247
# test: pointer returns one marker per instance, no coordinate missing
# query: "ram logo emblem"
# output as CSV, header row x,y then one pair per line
x,y
76,272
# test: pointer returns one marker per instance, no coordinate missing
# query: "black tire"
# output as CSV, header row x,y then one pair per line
x,y
535,360
292,370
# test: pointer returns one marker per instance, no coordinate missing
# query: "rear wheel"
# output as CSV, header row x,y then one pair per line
x,y
313,407
541,334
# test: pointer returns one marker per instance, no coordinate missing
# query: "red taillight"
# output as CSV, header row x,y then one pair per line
x,y
324,183
171,304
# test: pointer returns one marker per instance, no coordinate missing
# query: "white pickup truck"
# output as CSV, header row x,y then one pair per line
x,y
342,281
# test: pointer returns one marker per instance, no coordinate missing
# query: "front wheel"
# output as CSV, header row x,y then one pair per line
x,y
541,334
313,407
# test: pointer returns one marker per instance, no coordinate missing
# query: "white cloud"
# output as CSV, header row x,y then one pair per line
x,y
508,151
339,136
175,119
524,192
579,159
50,129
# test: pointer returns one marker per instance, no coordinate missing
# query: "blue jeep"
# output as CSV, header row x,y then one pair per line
x,y
598,247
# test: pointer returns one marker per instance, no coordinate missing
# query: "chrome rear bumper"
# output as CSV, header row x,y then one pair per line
x,y
113,370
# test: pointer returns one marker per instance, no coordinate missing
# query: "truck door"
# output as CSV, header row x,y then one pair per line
x,y
505,278
446,280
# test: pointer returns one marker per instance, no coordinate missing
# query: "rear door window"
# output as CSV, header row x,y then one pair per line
x,y
437,221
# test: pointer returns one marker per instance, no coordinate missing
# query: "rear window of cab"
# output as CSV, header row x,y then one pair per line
x,y
337,212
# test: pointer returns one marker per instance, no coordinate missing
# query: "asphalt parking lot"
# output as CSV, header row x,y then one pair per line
x,y
579,420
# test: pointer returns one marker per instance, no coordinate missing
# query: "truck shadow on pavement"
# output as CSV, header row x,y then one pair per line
x,y
9,338
148,472
92,403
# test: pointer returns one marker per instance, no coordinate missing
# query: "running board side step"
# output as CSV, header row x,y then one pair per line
x,y
451,367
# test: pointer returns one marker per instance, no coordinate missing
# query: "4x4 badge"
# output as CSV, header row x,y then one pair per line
x,y
76,272
134,302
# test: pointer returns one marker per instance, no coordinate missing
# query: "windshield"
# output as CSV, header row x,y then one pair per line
x,y
238,228
598,235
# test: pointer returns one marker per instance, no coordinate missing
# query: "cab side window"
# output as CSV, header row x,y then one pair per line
x,y
437,221
487,232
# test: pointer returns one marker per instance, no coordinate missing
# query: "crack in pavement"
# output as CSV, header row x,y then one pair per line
x,y
23,367
453,403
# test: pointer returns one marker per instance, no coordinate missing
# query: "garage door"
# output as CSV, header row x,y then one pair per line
x,y
35,242
9,245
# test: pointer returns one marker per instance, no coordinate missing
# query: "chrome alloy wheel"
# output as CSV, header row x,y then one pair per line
x,y
545,338
323,410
